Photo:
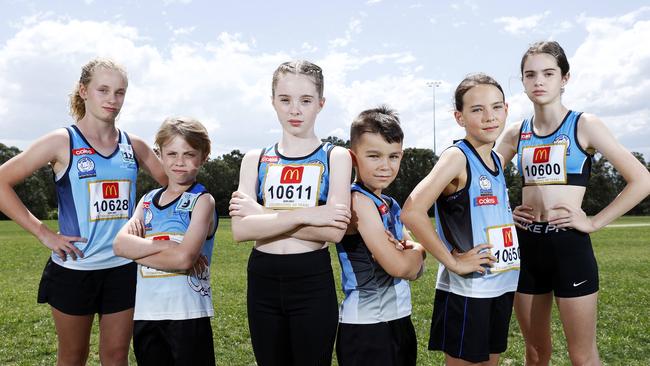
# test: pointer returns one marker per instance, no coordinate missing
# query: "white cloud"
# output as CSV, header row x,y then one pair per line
x,y
610,75
354,27
518,26
183,31
170,2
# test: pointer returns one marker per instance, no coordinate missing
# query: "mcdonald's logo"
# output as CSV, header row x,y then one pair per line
x,y
507,236
541,154
161,237
111,190
291,174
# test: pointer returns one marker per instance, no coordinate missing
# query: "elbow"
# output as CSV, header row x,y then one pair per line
x,y
407,217
335,235
185,261
118,246
239,235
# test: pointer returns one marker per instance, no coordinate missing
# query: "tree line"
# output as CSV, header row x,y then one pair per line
x,y
221,176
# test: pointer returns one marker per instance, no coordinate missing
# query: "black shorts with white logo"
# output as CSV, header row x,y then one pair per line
x,y
77,292
391,343
470,328
558,260
173,342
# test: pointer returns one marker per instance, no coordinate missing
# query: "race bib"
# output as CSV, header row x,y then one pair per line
x,y
505,247
147,272
544,164
292,186
109,200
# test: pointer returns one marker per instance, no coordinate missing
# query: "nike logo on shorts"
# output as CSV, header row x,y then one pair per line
x,y
579,283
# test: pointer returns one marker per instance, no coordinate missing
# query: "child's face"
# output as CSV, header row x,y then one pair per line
x,y
297,103
542,78
181,161
484,113
377,161
104,94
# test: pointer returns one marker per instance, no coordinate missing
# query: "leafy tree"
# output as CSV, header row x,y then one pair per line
x,y
35,191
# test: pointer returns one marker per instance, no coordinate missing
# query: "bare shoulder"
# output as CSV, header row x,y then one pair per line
x,y
340,153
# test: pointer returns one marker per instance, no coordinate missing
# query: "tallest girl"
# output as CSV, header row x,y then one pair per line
x,y
95,168
554,149
293,198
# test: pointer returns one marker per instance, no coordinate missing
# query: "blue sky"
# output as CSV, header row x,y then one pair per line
x,y
213,60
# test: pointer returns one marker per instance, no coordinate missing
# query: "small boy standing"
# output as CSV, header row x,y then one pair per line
x,y
377,255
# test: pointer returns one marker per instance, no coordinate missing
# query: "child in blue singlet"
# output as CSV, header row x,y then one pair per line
x,y
375,325
171,237
476,242
95,168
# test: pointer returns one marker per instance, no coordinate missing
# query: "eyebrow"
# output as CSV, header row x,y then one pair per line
x,y
302,96
547,69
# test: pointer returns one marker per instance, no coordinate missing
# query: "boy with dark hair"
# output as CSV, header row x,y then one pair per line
x,y
377,255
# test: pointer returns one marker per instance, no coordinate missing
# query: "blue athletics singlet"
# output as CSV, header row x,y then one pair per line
x,y
372,295
163,295
96,196
289,183
557,158
479,213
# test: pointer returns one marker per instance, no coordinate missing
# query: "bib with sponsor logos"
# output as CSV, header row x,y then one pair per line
x,y
479,213
173,295
557,158
544,164
96,197
289,183
292,186
505,247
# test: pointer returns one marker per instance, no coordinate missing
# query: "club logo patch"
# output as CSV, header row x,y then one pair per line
x,y
564,139
86,168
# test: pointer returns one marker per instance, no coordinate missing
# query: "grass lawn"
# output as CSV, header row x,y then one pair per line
x,y
27,334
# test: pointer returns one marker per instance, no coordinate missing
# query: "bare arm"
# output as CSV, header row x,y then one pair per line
x,y
53,147
593,133
507,146
130,242
339,194
449,169
397,263
148,160
184,255
251,221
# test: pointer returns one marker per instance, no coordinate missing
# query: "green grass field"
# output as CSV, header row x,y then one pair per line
x,y
27,334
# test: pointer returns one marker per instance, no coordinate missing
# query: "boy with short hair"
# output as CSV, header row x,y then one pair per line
x,y
377,255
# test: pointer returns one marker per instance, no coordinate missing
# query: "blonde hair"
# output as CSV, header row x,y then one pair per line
x,y
77,103
192,131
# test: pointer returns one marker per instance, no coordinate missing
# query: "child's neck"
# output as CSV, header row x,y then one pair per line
x,y
173,191
293,146
548,117
484,151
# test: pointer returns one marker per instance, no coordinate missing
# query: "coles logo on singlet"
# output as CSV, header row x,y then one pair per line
x,y
161,237
83,151
291,174
269,159
383,209
487,200
526,135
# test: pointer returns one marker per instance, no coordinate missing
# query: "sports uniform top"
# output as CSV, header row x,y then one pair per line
x,y
372,295
96,196
162,295
557,158
479,213
289,183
